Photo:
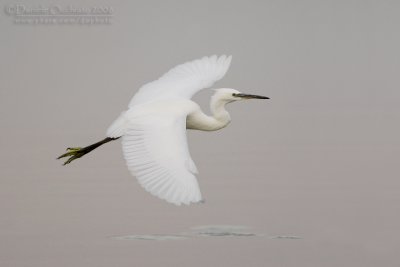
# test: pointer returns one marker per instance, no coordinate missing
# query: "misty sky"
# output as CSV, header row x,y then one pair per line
x,y
319,160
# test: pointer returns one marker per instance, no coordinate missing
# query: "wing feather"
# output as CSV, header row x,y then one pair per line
x,y
156,152
154,131
184,80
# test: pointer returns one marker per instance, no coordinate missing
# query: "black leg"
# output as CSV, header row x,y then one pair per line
x,y
78,152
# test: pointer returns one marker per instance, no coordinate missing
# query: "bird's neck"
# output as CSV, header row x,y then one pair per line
x,y
220,114
220,117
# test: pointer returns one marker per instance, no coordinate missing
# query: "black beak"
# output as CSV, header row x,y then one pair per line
x,y
246,96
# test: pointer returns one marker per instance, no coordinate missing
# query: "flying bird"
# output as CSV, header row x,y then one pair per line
x,y
153,129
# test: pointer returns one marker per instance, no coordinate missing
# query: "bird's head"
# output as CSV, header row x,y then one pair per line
x,y
231,95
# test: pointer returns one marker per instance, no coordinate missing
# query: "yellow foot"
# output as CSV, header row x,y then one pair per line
x,y
74,153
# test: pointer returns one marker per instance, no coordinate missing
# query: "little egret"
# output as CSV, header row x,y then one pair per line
x,y
153,129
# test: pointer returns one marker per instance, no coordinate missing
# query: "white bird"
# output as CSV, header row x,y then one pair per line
x,y
153,129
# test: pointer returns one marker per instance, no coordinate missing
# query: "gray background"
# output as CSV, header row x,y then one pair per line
x,y
319,160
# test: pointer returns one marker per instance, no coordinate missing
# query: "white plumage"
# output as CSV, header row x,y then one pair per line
x,y
153,129
184,80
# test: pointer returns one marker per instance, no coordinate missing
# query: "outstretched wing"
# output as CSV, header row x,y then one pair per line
x,y
184,80
156,152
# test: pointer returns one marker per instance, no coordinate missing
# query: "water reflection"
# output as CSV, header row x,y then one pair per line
x,y
207,231
151,237
286,237
223,230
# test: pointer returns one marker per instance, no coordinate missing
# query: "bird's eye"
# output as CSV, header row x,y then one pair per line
x,y
233,94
